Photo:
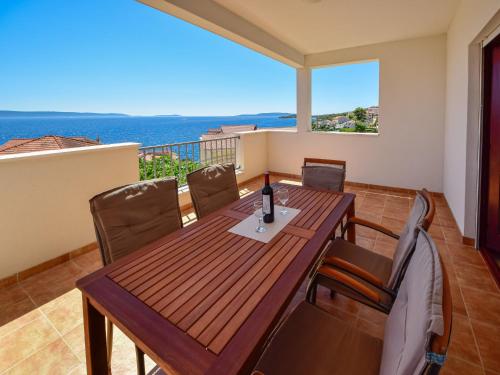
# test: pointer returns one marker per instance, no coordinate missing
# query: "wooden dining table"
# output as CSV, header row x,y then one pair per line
x,y
203,300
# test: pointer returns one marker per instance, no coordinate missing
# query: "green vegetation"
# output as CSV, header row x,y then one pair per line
x,y
359,114
167,166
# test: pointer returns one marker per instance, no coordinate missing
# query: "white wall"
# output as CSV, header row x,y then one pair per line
x,y
409,150
44,200
253,154
471,17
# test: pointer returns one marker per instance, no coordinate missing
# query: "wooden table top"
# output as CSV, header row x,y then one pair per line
x,y
202,300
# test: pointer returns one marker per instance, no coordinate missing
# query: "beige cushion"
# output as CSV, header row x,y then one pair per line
x,y
417,312
313,342
407,240
129,217
322,177
212,188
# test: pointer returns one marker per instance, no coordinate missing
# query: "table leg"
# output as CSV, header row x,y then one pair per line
x,y
351,229
95,339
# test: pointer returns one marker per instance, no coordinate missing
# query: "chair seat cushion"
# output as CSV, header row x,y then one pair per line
x,y
313,342
372,262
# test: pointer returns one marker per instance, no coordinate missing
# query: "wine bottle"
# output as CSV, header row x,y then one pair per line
x,y
267,201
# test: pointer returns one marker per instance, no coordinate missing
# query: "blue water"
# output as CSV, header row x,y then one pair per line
x,y
148,131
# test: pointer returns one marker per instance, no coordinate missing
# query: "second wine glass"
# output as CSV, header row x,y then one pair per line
x,y
283,198
259,213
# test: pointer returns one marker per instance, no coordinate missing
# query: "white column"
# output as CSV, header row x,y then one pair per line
x,y
303,100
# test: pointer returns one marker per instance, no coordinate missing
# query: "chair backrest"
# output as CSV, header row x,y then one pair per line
x,y
324,174
129,217
407,239
419,317
212,187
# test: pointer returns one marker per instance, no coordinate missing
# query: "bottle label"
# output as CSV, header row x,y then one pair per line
x,y
266,204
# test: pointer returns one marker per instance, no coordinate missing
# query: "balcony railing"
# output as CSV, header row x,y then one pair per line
x,y
179,159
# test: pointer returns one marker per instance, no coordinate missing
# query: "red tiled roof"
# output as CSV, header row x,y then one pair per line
x,y
228,129
48,142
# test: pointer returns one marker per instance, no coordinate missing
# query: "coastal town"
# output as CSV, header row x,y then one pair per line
x,y
360,120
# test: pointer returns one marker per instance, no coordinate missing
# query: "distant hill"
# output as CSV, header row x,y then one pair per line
x,y
268,114
57,114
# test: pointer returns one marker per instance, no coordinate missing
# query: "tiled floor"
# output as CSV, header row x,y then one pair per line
x,y
41,328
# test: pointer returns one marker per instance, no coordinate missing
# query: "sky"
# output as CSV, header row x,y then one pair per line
x,y
124,57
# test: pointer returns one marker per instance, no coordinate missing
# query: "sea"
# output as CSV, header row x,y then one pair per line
x,y
148,131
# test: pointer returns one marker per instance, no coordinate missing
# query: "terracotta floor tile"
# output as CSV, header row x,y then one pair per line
x,y
436,232
455,366
452,235
457,300
394,201
396,225
488,341
448,222
477,277
371,315
463,345
396,212
21,343
66,318
19,322
11,311
12,294
74,296
123,361
367,243
89,262
54,359
482,306
75,339
385,245
370,216
373,329
78,370
465,255
365,232
369,206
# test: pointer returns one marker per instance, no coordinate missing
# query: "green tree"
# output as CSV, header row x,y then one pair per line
x,y
359,114
360,127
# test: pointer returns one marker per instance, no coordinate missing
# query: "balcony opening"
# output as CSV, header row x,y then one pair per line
x,y
345,98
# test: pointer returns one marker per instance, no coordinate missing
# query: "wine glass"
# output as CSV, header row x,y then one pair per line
x,y
259,213
283,198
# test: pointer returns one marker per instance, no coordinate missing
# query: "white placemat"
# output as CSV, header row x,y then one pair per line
x,y
246,228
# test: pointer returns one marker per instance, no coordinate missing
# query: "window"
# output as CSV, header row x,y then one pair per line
x,y
345,98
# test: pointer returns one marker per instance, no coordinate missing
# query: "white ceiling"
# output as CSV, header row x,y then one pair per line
x,y
313,26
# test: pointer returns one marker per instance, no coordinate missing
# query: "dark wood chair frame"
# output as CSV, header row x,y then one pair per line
x,y
141,368
342,271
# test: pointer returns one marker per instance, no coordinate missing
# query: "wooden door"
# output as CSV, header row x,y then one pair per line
x,y
490,217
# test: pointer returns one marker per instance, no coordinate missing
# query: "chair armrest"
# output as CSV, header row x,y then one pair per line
x,y
350,283
380,228
353,269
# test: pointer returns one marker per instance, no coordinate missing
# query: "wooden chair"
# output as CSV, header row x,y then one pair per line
x,y
212,187
378,275
416,335
324,174
128,218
